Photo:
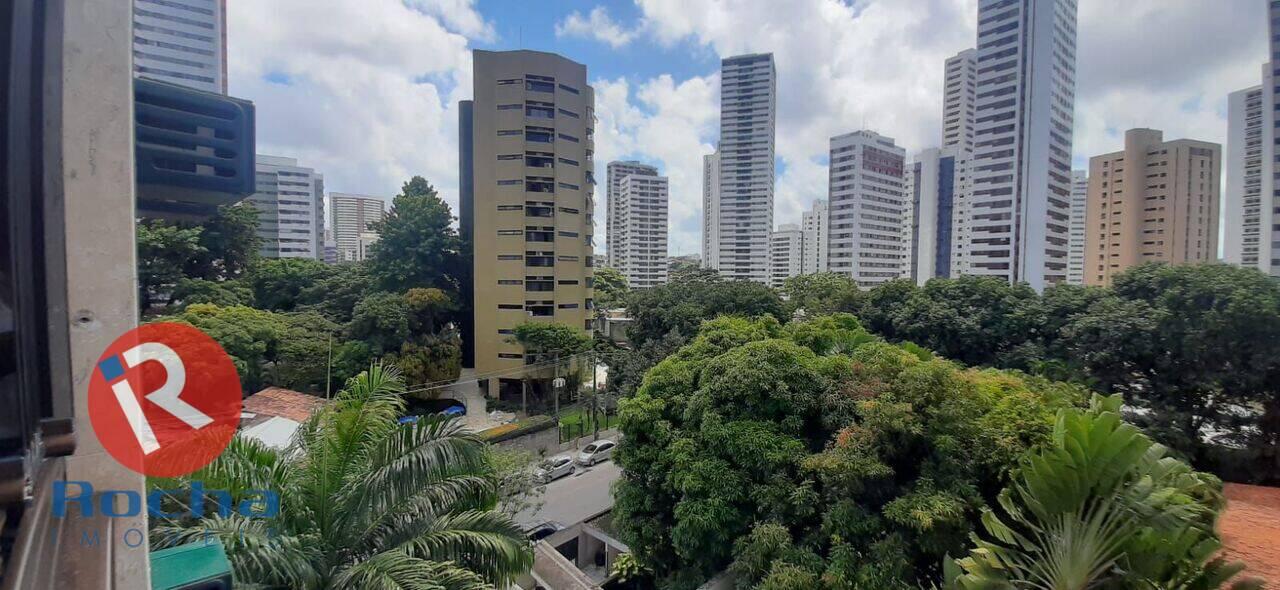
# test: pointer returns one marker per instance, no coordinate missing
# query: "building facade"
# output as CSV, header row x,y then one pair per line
x,y
1023,117
786,253
641,244
935,181
711,210
867,205
1249,177
813,223
614,173
349,219
526,184
181,42
1154,201
290,202
1076,229
959,85
743,212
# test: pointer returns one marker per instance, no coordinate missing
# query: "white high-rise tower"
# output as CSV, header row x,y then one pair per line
x,y
615,209
739,221
868,205
814,225
1076,234
1023,113
181,43
959,85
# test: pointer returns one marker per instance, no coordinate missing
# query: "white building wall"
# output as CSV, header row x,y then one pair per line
x,y
868,206
181,42
786,253
711,210
614,209
290,203
748,88
813,223
1022,149
959,85
642,223
1249,169
349,219
1076,230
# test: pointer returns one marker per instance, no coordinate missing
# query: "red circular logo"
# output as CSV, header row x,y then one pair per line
x,y
164,399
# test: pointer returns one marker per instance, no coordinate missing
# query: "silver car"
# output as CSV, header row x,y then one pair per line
x,y
554,468
596,452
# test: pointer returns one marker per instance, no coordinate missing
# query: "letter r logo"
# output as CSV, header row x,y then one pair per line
x,y
165,399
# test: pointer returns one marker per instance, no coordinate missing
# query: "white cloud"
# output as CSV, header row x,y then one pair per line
x,y
666,123
364,92
596,25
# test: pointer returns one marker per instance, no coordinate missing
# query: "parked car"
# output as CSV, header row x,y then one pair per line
x,y
596,452
554,468
541,531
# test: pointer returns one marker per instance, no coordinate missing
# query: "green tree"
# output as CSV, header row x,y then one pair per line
x,y
682,304
610,288
417,245
432,359
230,242
1102,507
221,293
163,251
813,453
336,292
278,283
429,310
368,503
382,321
821,293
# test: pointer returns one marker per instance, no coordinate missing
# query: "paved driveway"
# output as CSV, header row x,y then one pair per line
x,y
575,498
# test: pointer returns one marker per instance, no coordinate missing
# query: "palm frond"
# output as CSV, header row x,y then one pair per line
x,y
396,570
258,553
485,542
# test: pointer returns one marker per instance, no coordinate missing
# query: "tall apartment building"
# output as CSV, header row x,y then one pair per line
x,y
786,253
711,210
526,144
813,223
1250,150
1076,228
614,173
867,206
1154,201
640,249
182,42
349,218
1252,203
935,181
736,236
290,203
959,87
1023,114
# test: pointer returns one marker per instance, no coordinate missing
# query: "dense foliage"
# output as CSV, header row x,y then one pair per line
x,y
284,321
1194,349
367,502
1101,507
815,453
681,305
610,288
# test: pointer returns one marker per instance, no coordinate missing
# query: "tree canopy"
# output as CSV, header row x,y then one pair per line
x,y
417,244
815,451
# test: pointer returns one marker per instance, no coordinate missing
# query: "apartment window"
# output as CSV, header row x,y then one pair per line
x,y
567,137
510,355
539,110
510,232
510,207
510,306
569,89
506,331
568,161
510,282
503,132
509,156
510,107
539,86
540,311
567,113
510,257
568,306
508,183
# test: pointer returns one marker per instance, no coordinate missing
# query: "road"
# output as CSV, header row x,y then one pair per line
x,y
575,498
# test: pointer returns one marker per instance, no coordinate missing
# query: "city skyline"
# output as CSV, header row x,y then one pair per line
x,y
674,96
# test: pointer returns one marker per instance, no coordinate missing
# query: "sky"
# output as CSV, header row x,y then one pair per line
x,y
366,91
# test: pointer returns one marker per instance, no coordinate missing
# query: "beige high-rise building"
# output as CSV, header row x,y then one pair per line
x,y
526,182
1155,201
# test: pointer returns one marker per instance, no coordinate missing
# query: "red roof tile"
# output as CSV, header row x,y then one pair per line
x,y
285,403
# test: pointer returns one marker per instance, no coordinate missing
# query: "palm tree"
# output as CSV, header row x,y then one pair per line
x,y
366,502
1104,508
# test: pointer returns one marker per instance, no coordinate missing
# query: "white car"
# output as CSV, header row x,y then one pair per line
x,y
596,452
554,468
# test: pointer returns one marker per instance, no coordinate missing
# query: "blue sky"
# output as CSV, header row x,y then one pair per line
x,y
366,91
